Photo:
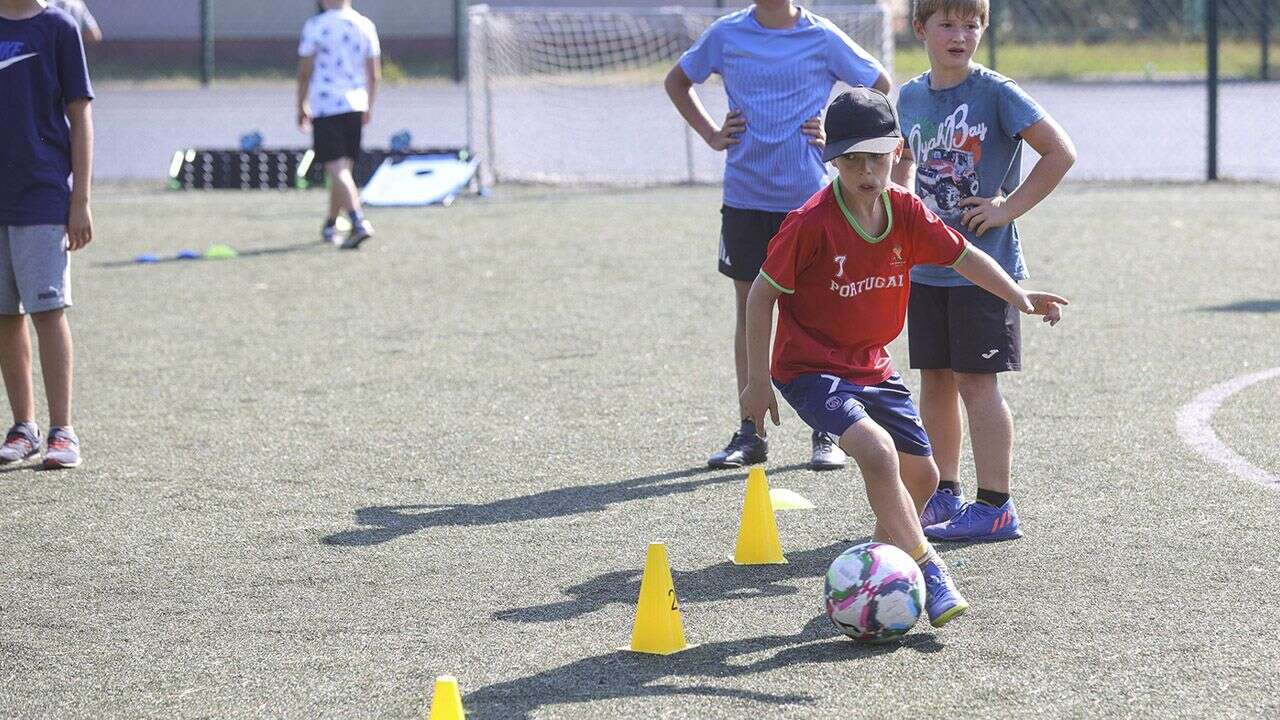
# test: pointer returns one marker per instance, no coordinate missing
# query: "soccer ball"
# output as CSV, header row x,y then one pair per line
x,y
874,592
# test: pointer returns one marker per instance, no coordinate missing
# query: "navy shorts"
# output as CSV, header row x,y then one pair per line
x,y
963,329
337,136
832,405
744,240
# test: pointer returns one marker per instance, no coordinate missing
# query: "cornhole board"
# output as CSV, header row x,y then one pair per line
x,y
419,180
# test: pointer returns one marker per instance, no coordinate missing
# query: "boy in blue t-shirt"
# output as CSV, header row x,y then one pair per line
x,y
779,63
964,126
46,135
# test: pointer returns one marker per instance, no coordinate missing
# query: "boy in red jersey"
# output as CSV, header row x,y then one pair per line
x,y
839,271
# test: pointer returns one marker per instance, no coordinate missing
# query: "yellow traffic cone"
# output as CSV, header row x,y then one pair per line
x,y
446,703
758,531
658,629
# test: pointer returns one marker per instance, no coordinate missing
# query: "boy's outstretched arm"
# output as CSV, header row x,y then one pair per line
x,y
80,219
1057,155
680,89
978,268
758,398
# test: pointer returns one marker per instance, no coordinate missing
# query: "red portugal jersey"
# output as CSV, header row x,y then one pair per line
x,y
845,291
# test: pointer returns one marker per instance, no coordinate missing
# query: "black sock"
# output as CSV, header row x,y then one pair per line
x,y
331,222
992,498
356,217
950,486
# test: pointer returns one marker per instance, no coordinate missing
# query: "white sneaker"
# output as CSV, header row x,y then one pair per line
x,y
21,443
62,450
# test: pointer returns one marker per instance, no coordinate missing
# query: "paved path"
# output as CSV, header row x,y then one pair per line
x,y
1124,131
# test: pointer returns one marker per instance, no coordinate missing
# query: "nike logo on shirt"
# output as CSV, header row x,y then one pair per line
x,y
15,60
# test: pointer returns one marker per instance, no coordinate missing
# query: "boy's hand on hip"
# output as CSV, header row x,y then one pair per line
x,y
983,214
734,125
1046,304
79,225
368,116
757,400
813,128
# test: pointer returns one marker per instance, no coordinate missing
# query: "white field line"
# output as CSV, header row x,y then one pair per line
x,y
1195,426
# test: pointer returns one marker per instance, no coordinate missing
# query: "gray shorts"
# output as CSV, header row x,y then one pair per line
x,y
35,269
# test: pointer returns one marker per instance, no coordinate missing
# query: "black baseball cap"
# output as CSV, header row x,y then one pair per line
x,y
861,120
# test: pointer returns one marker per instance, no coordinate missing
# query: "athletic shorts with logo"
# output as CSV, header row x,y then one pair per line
x,y
337,136
35,269
832,405
964,329
744,240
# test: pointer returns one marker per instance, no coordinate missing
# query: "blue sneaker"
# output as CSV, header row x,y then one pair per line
x,y
942,507
978,522
942,600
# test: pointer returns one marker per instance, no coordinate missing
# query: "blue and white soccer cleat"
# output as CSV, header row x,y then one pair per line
x,y
942,600
941,507
978,522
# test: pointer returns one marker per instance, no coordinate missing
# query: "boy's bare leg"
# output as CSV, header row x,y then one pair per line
x,y
920,477
896,517
940,412
15,363
345,193
741,288
336,193
56,362
990,429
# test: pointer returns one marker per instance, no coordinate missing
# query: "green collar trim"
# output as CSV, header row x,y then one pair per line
x,y
888,208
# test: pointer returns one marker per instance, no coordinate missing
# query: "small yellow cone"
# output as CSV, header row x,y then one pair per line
x,y
758,542
788,500
658,629
446,703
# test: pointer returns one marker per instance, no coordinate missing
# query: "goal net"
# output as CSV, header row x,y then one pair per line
x,y
575,95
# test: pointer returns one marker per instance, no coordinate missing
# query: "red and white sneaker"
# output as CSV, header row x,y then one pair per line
x,y
62,450
21,443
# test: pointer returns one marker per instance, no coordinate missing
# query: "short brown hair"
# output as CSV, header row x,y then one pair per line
x,y
925,9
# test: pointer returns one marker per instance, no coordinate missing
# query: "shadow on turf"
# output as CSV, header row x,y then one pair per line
x,y
1246,306
725,581
623,674
384,523
281,250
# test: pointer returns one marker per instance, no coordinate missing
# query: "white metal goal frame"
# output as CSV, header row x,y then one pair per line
x,y
574,95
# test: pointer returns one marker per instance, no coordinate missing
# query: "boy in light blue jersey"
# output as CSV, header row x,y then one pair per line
x,y
964,126
779,63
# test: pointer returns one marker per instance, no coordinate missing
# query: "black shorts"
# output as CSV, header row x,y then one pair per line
x,y
965,329
337,136
744,240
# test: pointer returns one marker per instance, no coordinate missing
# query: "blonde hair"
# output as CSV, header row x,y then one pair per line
x,y
925,9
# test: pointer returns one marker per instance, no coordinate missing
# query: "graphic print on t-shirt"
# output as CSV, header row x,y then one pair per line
x,y
11,53
947,156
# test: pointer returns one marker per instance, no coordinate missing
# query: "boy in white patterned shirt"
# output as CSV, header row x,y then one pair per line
x,y
339,69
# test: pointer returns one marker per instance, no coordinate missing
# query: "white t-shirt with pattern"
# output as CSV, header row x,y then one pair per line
x,y
341,41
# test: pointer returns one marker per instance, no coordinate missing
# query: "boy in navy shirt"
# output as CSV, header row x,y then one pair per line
x,y
46,135
964,126
779,63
